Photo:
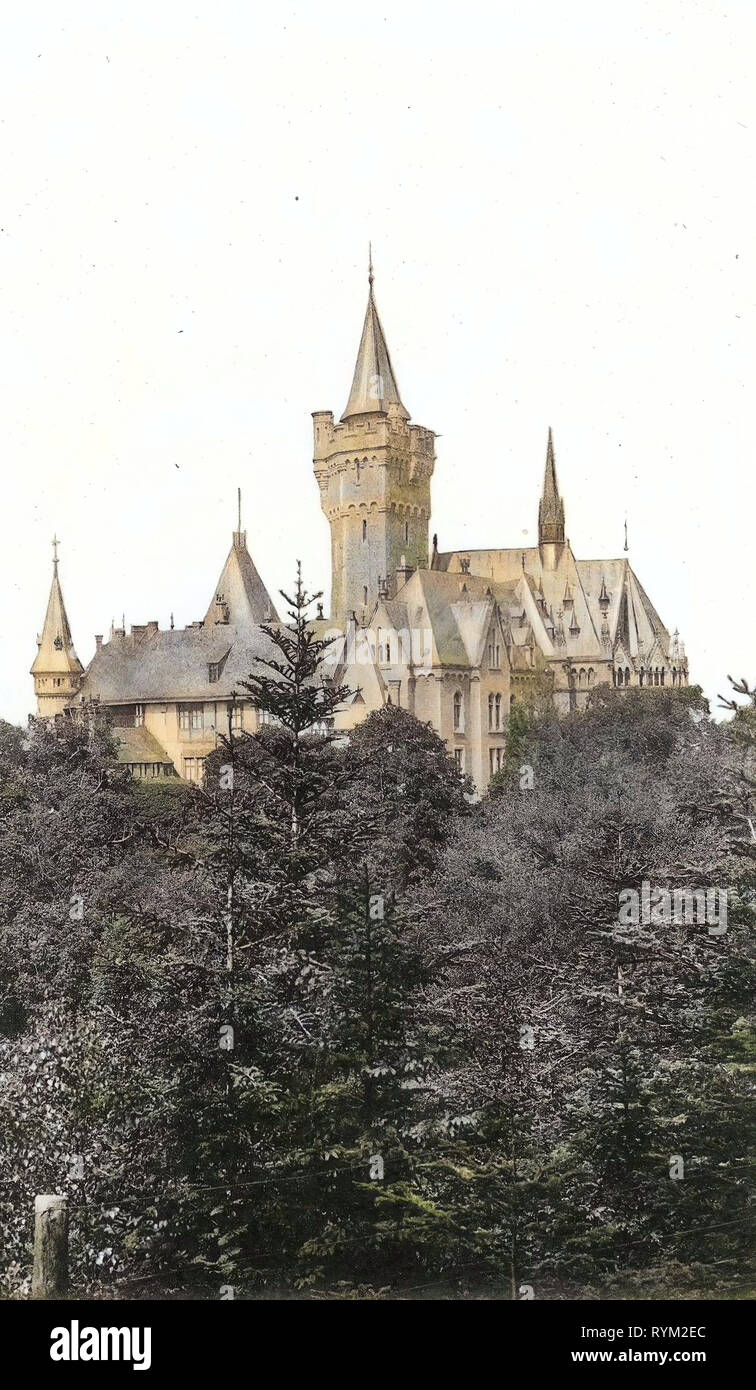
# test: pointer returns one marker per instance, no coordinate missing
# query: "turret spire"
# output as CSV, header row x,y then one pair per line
x,y
56,669
551,506
374,385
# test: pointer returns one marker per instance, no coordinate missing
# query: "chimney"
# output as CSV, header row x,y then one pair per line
x,y
151,628
403,572
98,641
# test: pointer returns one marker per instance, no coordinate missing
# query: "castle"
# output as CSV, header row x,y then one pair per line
x,y
456,637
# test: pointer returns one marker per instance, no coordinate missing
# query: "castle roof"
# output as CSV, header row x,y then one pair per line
x,y
374,385
240,596
630,616
56,653
175,665
140,746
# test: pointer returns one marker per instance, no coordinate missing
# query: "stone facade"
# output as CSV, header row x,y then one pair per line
x,y
456,637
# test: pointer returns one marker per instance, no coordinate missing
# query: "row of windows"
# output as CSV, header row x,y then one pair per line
x,y
495,759
192,717
495,715
652,676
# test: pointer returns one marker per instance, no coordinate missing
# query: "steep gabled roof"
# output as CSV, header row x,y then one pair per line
x,y
175,665
240,596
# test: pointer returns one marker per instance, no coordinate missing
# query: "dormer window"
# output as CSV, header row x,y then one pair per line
x,y
58,644
213,672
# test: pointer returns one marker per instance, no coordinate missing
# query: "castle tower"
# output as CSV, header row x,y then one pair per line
x,y
57,670
550,513
373,469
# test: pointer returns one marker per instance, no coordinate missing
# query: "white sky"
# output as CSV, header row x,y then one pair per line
x,y
561,202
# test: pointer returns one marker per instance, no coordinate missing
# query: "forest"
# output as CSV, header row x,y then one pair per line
x,y
331,1027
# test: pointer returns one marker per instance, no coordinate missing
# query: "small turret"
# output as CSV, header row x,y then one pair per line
x,y
550,513
57,670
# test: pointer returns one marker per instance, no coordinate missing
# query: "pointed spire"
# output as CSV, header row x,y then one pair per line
x,y
374,385
56,656
551,506
240,596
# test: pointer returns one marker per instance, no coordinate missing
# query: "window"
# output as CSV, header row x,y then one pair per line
x,y
356,470
620,677
406,531
194,770
459,759
364,594
494,760
498,711
627,675
591,676
494,655
457,707
191,716
364,530
662,675
237,718
213,672
490,711
138,716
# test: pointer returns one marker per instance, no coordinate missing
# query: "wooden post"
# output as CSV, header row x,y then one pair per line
x,y
50,1276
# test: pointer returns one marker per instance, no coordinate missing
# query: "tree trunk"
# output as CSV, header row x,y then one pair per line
x,y
50,1277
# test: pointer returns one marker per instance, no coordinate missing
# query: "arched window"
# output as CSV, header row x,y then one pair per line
x,y
620,677
674,675
356,470
641,674
498,711
490,711
406,532
656,676
581,677
364,530
457,711
662,675
591,675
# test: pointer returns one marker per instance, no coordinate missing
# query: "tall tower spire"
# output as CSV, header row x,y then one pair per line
x,y
57,670
374,385
373,469
550,511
